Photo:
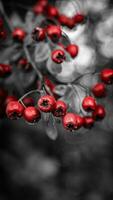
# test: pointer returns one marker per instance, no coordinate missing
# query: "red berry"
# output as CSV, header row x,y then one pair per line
x,y
1,23
38,9
72,49
60,109
46,103
99,112
58,56
79,18
99,90
52,11
5,70
89,104
54,32
18,34
3,35
88,122
31,114
70,22
10,98
28,101
38,34
14,110
72,121
63,20
106,76
49,84
24,64
43,3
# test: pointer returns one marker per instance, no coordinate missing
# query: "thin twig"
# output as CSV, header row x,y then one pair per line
x,y
5,16
28,93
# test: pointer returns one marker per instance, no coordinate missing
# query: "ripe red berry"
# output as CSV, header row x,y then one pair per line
x,y
18,34
1,23
14,110
38,9
63,20
31,114
99,112
10,98
89,104
38,34
43,3
5,70
49,84
72,121
24,64
52,11
99,90
79,18
3,34
54,32
106,76
70,22
88,122
60,109
28,101
46,103
72,49
58,56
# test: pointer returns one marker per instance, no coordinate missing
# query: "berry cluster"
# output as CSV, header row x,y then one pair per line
x,y
50,102
44,8
54,33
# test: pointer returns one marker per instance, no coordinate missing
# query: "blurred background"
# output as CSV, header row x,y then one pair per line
x,y
33,167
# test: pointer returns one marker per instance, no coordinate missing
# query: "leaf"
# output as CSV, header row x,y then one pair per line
x,y
41,52
50,126
16,20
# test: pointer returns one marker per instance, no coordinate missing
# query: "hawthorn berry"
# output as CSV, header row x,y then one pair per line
x,y
46,103
3,34
10,98
1,23
38,34
49,84
14,110
58,56
79,18
52,11
99,90
106,76
18,34
72,49
54,32
99,112
43,3
63,20
5,70
88,122
38,9
72,122
70,22
28,101
24,64
31,114
89,104
60,109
